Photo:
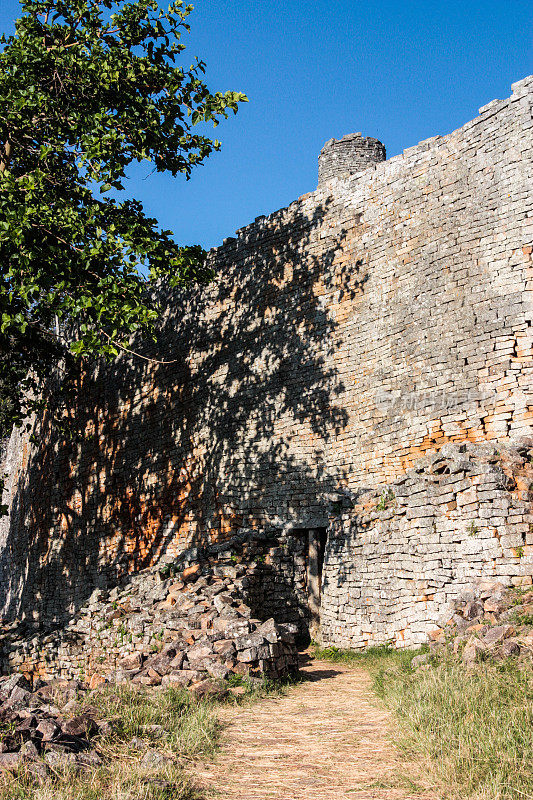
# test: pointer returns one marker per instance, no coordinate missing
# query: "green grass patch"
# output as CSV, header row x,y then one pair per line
x,y
522,619
169,718
475,725
252,690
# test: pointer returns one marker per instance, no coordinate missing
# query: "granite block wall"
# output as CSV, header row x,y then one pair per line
x,y
366,325
397,560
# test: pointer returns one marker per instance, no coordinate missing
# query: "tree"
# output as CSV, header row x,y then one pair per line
x,y
86,88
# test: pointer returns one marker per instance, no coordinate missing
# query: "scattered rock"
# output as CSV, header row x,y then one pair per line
x,y
19,698
131,662
497,634
8,683
57,759
473,651
209,690
48,729
10,761
32,728
190,573
83,727
510,648
96,681
489,633
417,661
237,691
473,610
154,758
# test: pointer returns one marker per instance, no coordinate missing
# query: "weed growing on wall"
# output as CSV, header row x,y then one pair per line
x,y
387,499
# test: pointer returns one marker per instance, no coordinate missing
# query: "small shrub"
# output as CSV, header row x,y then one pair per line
x,y
386,499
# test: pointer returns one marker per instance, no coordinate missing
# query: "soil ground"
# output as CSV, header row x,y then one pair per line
x,y
327,737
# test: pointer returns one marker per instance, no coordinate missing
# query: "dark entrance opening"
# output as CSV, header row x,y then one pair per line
x,y
322,536
315,539
315,565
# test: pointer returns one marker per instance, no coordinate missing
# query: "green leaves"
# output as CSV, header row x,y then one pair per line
x,y
87,87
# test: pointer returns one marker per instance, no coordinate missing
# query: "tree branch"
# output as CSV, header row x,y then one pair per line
x,y
134,353
7,158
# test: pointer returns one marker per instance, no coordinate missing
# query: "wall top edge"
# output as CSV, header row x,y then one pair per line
x,y
520,89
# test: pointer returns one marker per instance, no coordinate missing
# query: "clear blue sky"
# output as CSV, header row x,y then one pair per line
x,y
398,70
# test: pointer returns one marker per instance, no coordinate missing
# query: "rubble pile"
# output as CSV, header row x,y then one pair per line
x,y
181,627
36,732
490,621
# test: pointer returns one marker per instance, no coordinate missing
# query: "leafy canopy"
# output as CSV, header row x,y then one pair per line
x,y
86,88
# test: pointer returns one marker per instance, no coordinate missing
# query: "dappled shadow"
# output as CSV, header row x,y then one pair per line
x,y
231,435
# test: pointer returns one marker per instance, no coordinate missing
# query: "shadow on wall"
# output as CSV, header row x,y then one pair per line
x,y
230,435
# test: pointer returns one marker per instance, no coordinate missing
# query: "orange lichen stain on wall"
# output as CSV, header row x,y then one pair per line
x,y
63,523
155,517
396,463
230,523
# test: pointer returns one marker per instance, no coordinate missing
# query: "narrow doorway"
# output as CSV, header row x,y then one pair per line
x,y
315,564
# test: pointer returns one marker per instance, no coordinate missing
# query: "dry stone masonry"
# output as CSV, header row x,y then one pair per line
x,y
372,333
181,625
397,561
348,156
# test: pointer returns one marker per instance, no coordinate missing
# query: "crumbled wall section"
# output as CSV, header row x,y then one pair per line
x,y
366,325
397,562
156,631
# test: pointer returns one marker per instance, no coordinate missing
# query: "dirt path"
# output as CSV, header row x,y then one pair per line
x,y
325,738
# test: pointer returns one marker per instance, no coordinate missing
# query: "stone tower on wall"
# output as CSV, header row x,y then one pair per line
x,y
348,156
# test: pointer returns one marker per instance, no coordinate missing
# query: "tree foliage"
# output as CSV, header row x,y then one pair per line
x,y
86,88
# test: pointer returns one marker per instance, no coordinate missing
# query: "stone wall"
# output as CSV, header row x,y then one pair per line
x,y
400,558
368,324
171,627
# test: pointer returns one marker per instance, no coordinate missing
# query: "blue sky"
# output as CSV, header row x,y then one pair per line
x,y
400,71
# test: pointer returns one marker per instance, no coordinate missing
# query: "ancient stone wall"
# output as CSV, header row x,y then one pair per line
x,y
368,324
173,627
399,559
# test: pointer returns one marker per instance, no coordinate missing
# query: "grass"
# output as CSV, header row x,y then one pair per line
x,y
257,689
121,781
167,721
523,619
475,726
